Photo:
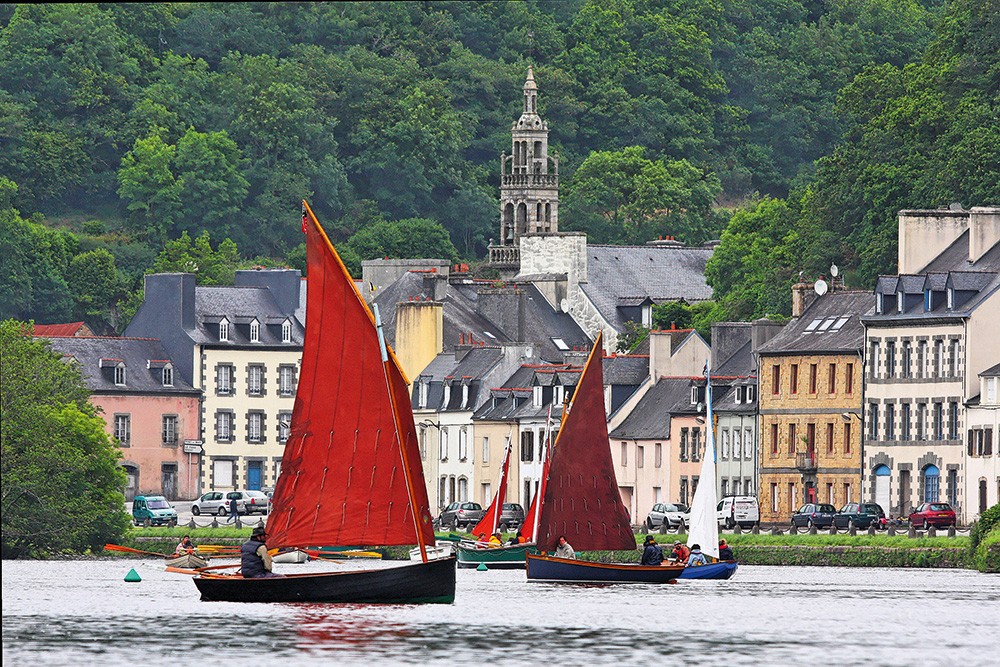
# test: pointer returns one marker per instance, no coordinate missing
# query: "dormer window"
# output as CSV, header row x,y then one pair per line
x,y
224,330
899,302
749,393
647,316
447,395
536,396
557,396
120,375
739,395
879,303
465,396
254,331
927,300
951,298
422,395
168,376
286,332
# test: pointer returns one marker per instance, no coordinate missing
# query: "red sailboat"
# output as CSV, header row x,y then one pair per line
x,y
351,473
579,498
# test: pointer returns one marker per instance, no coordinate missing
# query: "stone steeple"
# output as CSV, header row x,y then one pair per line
x,y
529,177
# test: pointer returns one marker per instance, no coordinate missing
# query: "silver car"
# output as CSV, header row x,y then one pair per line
x,y
668,515
213,502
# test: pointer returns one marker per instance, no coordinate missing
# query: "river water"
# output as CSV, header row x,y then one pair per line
x,y
82,612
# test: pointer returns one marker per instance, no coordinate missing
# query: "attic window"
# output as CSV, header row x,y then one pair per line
x,y
254,331
422,395
536,396
286,332
879,305
739,395
490,335
951,298
168,376
749,393
826,324
560,344
120,375
899,302
224,330
447,396
840,323
812,325
465,396
927,300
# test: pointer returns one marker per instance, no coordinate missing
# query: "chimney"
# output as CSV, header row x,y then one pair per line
x,y
660,352
803,295
984,230
418,334
282,283
727,338
763,330
923,235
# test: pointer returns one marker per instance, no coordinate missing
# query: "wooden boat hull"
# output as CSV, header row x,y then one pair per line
x,y
439,550
550,568
295,556
412,583
500,558
188,561
721,570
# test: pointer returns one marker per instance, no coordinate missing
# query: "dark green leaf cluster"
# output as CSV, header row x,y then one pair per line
x,y
61,483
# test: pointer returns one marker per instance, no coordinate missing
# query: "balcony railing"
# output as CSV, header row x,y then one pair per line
x,y
530,180
806,462
505,254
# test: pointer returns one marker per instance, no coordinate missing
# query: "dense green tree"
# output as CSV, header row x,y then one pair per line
x,y
408,238
211,266
147,183
61,483
211,187
97,288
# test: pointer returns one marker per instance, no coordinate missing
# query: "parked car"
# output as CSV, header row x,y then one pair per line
x,y
154,510
213,502
256,502
217,502
742,510
814,514
461,515
939,515
859,515
511,517
668,515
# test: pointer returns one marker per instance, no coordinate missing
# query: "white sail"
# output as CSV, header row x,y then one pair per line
x,y
704,524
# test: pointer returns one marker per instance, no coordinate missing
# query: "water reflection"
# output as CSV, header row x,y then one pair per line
x,y
81,612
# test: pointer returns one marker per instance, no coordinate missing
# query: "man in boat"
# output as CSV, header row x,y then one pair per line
x,y
565,549
680,553
495,539
696,557
725,553
652,554
254,557
185,546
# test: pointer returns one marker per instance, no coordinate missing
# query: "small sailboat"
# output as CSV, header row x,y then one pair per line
x,y
704,522
579,496
351,473
472,554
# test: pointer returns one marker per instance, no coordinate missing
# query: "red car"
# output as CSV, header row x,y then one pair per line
x,y
939,515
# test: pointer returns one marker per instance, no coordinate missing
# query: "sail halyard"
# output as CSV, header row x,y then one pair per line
x,y
581,499
535,507
704,522
491,520
351,473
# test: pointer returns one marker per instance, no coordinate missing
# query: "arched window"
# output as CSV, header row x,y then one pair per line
x,y
286,332
168,376
224,330
932,483
254,331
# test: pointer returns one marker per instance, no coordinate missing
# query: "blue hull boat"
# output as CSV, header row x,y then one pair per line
x,y
721,570
550,568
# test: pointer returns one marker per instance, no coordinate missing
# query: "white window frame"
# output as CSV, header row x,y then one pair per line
x,y
168,376
224,426
486,449
123,429
255,427
120,374
286,331
254,331
286,381
536,396
169,429
224,331
223,472
255,380
284,426
463,444
224,380
748,443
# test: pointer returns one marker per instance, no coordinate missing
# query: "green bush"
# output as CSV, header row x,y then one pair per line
x,y
987,521
986,557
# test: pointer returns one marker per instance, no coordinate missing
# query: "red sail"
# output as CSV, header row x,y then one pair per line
x,y
350,474
490,520
581,499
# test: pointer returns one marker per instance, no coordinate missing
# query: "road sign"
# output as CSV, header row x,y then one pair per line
x,y
192,448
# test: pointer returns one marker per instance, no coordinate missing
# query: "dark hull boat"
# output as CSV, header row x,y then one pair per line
x,y
352,450
550,568
721,570
413,583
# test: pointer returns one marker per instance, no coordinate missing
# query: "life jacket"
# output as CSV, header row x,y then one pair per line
x,y
253,565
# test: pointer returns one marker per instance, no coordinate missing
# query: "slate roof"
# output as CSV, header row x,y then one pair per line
x,y
956,258
972,288
740,363
144,360
831,324
621,275
650,418
471,369
240,305
992,372
625,369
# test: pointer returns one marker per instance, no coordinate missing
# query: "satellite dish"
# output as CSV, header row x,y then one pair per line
x,y
834,270
564,306
821,287
701,406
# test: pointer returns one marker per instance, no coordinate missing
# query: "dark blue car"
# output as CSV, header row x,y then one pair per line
x,y
814,514
859,515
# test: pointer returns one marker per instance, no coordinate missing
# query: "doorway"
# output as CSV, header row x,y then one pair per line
x,y
255,475
132,482
882,474
168,480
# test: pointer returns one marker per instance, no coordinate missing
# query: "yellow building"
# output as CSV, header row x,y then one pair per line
x,y
810,400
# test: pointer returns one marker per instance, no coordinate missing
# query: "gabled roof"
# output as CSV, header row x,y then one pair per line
x,y
634,273
992,372
650,418
972,288
831,324
144,360
240,306
740,363
69,329
624,369
956,258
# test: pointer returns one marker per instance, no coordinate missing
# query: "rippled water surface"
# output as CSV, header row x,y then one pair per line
x,y
82,612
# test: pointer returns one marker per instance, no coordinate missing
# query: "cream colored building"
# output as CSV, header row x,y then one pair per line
x,y
982,451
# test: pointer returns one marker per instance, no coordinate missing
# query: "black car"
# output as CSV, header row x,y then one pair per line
x,y
814,514
859,515
511,517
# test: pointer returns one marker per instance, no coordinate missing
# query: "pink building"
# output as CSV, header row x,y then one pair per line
x,y
148,407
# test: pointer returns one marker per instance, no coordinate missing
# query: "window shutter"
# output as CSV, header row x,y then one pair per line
x,y
972,444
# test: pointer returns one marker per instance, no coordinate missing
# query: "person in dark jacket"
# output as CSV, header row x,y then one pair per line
x,y
652,554
234,511
725,553
254,557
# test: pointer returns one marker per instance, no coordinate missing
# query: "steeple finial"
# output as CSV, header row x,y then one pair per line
x,y
529,83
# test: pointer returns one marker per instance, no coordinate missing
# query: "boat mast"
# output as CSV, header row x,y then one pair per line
x,y
541,482
500,487
402,445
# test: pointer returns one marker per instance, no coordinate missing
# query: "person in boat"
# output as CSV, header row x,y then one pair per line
x,y
185,546
254,557
725,553
496,540
680,553
516,539
565,549
696,557
652,554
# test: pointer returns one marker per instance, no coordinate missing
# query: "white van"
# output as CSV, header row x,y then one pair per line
x,y
742,510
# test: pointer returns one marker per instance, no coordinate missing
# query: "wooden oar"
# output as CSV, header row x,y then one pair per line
x,y
182,570
118,547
